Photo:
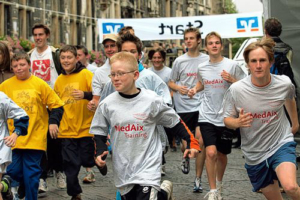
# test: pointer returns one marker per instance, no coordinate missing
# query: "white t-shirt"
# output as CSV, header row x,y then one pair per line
x,y
8,110
135,140
215,87
42,66
92,68
101,78
184,73
270,128
164,73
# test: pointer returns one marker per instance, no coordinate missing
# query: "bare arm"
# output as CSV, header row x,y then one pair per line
x,y
93,104
244,120
198,87
291,108
178,88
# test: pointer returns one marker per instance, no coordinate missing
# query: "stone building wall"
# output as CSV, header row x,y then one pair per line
x,y
75,21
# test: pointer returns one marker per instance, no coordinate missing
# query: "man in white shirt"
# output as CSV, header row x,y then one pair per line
x,y
101,74
45,64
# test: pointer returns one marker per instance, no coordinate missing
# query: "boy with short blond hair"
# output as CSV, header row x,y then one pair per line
x,y
137,150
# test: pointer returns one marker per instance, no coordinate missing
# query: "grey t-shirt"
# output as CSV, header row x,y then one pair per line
x,y
135,141
215,87
270,128
164,73
184,73
100,78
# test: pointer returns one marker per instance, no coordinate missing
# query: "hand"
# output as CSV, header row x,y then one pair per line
x,y
92,105
244,120
10,141
77,94
227,77
101,163
53,130
192,92
191,153
183,90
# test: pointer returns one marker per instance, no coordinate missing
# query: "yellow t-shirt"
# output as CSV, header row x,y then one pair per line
x,y
77,118
33,95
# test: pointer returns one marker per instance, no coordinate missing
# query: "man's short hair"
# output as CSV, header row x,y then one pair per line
x,y
127,37
213,33
69,48
83,48
125,29
126,58
160,50
19,56
193,30
43,26
273,27
266,44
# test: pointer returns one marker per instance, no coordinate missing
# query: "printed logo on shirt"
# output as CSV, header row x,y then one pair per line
x,y
247,24
26,99
67,96
140,116
216,83
41,69
266,117
191,74
132,131
146,189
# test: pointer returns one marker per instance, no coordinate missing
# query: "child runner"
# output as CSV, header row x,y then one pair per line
x,y
215,76
133,115
74,87
9,110
34,96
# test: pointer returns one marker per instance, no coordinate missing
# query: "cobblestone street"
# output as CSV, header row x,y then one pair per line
x,y
236,183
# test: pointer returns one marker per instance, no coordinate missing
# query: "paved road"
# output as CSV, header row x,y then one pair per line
x,y
236,182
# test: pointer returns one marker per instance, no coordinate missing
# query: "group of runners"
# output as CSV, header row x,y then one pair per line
x,y
75,110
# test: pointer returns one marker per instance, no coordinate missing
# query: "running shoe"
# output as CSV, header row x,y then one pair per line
x,y
185,165
197,185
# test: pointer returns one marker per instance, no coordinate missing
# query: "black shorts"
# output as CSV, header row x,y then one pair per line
x,y
190,119
219,136
139,192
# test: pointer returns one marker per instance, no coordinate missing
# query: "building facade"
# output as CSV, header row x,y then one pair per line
x,y
75,21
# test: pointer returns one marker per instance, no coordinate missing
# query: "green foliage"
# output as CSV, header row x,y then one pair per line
x,y
230,8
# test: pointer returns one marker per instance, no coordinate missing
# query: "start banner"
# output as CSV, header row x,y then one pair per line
x,y
166,28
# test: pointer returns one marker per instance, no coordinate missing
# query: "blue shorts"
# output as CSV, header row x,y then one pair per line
x,y
263,174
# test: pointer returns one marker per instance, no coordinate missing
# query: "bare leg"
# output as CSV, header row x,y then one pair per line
x,y
272,192
286,173
200,159
221,166
1,187
210,163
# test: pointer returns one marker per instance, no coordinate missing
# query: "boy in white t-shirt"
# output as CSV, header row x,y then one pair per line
x,y
215,76
133,115
256,106
9,110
